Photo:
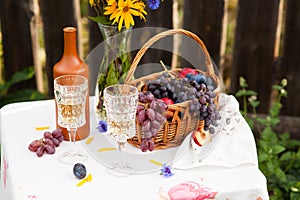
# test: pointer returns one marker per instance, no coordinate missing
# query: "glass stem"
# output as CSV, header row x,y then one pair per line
x,y
72,134
121,146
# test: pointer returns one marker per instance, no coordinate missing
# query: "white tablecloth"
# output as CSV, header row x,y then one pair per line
x,y
25,176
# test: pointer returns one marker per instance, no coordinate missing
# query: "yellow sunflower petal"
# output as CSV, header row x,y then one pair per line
x,y
120,23
133,12
128,20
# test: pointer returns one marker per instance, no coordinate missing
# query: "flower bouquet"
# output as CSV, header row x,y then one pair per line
x,y
115,18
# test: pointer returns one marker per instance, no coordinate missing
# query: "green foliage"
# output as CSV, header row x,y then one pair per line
x,y
278,154
21,95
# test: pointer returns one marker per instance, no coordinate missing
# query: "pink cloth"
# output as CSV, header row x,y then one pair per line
x,y
190,191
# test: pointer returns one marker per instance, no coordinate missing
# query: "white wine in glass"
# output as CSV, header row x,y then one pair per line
x,y
121,102
70,95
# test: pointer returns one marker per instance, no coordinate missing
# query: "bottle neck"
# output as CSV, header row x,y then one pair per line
x,y
70,43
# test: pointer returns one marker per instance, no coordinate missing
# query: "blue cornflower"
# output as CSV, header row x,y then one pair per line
x,y
102,126
166,170
153,4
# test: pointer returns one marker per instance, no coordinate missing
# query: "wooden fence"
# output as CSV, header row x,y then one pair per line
x,y
266,43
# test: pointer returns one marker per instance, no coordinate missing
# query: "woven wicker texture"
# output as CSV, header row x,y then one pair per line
x,y
180,121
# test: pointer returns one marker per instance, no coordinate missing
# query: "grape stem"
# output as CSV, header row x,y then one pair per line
x,y
165,68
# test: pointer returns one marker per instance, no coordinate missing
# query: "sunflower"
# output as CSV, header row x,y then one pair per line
x,y
111,9
124,12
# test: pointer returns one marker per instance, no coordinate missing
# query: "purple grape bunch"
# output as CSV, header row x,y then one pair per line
x,y
198,89
48,143
204,108
151,116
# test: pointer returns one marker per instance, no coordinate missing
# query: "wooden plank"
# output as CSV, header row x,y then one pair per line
x,y
35,40
56,15
253,56
16,39
205,18
291,58
156,20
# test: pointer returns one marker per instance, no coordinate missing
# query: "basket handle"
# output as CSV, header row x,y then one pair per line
x,y
151,41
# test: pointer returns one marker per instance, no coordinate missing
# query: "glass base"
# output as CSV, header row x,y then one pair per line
x,y
121,169
72,157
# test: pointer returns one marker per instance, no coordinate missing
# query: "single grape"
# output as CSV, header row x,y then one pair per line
x,y
144,145
61,138
202,100
33,146
154,131
156,92
152,87
161,106
149,97
147,134
151,145
163,89
56,142
79,170
155,124
47,134
40,150
146,125
164,94
49,142
211,130
200,78
57,133
140,107
142,97
160,118
49,149
150,113
141,117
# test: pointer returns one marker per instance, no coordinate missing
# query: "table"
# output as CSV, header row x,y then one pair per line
x,y
25,176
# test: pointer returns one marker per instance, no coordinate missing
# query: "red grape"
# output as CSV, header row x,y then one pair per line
x,y
47,134
33,146
61,138
40,150
149,97
57,133
151,145
150,113
49,149
155,124
49,142
144,145
141,117
56,142
146,125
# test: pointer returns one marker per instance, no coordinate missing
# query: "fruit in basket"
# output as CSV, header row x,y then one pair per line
x,y
186,71
150,114
201,137
47,144
167,100
189,86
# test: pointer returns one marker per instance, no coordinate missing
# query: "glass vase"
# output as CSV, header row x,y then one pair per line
x,y
115,63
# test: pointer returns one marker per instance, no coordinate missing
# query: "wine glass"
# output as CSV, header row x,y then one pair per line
x,y
121,102
70,95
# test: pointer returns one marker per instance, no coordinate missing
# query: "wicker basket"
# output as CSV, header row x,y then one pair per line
x,y
180,122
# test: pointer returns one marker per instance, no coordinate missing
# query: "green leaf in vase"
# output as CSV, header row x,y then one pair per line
x,y
101,81
111,78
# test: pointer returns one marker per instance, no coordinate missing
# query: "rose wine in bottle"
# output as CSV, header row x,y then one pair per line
x,y
71,64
